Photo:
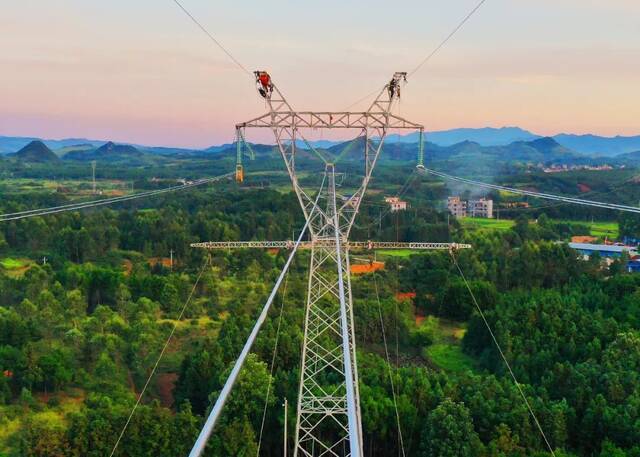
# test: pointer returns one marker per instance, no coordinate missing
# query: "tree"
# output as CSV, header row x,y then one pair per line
x,y
198,377
449,432
629,225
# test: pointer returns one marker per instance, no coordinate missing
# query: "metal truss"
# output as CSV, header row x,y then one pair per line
x,y
328,409
328,412
331,120
373,125
349,245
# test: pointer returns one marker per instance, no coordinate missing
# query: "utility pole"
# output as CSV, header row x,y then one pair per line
x,y
286,409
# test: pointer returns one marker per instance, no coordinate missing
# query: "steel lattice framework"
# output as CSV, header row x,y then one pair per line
x,y
328,409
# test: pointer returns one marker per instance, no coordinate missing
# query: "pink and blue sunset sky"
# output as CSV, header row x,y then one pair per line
x,y
141,72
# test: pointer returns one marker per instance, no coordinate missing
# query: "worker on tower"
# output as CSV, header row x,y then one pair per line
x,y
394,84
263,83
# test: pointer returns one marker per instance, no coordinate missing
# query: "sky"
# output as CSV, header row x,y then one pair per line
x,y
141,72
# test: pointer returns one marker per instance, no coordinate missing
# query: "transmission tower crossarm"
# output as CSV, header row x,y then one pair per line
x,y
351,245
331,120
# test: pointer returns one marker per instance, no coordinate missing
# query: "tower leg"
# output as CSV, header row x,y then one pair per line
x,y
322,420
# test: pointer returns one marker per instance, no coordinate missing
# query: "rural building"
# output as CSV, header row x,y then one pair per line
x,y
457,207
633,265
472,208
480,208
609,251
396,204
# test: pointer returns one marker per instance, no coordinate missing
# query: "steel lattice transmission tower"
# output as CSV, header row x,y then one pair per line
x,y
328,409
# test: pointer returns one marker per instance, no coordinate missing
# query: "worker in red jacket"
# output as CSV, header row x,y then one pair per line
x,y
263,83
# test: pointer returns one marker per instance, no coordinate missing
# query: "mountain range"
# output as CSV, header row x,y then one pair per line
x,y
583,144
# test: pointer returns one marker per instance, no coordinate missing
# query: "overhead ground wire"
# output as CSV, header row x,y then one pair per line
x,y
431,54
446,40
211,37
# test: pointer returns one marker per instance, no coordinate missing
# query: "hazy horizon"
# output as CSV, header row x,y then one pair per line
x,y
271,141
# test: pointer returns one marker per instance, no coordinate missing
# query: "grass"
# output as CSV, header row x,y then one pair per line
x,y
15,268
13,264
201,322
601,229
487,224
598,229
8,427
395,252
446,350
449,357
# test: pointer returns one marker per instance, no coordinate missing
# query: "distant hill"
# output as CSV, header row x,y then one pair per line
x,y
606,146
591,145
75,148
10,144
110,149
541,149
36,152
108,152
505,136
483,136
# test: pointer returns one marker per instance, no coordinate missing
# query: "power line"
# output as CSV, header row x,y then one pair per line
x,y
431,54
211,37
155,366
107,201
577,201
504,358
437,48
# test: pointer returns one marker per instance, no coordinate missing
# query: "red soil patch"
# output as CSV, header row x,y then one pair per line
x,y
583,188
114,193
405,296
360,269
164,261
166,384
583,239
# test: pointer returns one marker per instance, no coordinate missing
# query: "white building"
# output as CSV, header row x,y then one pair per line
x,y
396,204
472,208
480,208
457,207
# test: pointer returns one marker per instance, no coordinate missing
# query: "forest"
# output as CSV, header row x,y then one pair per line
x,y
87,300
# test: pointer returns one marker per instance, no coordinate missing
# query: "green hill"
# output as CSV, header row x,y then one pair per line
x,y
36,151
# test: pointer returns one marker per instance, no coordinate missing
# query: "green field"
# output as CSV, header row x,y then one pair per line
x,y
15,268
446,350
490,224
449,357
13,264
395,252
599,229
